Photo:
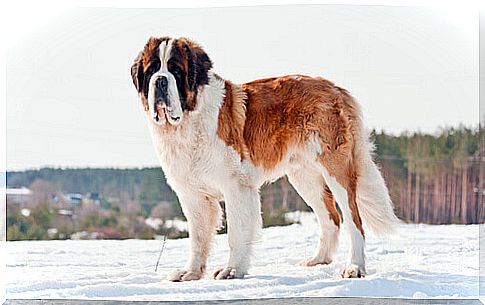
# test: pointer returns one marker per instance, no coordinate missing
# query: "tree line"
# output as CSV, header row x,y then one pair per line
x,y
433,178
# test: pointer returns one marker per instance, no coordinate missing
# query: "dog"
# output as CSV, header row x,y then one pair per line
x,y
217,140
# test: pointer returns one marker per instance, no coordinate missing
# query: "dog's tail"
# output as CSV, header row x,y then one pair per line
x,y
373,200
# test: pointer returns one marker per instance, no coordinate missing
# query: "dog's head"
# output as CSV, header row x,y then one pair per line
x,y
167,75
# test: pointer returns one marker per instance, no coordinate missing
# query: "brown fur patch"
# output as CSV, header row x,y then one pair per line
x,y
340,157
151,51
352,197
330,204
180,45
196,64
232,118
144,102
282,112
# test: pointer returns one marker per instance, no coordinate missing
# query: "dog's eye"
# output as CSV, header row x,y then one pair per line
x,y
152,68
174,69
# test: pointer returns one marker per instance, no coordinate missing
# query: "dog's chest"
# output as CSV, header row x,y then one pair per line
x,y
188,158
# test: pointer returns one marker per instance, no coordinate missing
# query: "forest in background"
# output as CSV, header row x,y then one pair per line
x,y
432,179
436,179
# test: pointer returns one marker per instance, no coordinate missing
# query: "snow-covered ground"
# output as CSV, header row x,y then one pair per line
x,y
420,261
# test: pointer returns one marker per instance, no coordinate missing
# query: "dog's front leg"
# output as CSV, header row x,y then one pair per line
x,y
243,212
203,216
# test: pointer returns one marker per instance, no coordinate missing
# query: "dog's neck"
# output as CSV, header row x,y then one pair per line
x,y
210,95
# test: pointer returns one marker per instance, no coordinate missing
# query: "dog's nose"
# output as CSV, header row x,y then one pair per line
x,y
161,83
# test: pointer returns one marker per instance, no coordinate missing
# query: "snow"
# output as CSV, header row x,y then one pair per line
x,y
154,223
177,224
420,261
17,191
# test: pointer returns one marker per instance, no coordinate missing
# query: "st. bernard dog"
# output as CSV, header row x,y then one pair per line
x,y
217,140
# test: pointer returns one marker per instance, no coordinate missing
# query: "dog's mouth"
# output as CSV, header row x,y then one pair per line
x,y
164,111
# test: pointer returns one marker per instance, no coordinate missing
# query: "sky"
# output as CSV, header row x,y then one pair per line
x,y
71,102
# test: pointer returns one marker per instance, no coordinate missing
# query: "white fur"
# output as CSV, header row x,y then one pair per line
x,y
308,183
203,170
373,200
165,50
197,165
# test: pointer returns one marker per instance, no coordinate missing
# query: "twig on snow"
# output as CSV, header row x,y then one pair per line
x,y
161,250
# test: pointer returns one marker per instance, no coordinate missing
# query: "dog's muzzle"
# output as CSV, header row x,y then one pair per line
x,y
162,104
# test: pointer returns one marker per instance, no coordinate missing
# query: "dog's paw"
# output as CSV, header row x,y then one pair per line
x,y
309,262
182,275
227,273
352,271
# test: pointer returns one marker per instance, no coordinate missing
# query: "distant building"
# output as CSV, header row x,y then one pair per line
x,y
19,196
65,212
95,197
74,198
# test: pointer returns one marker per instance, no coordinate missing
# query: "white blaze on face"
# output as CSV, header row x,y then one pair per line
x,y
171,109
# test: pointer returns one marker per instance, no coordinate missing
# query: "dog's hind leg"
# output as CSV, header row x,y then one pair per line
x,y
243,212
203,215
311,186
341,178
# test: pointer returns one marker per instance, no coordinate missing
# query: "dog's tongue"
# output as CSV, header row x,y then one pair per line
x,y
162,109
159,110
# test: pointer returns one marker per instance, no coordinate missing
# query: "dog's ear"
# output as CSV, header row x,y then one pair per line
x,y
199,65
137,72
